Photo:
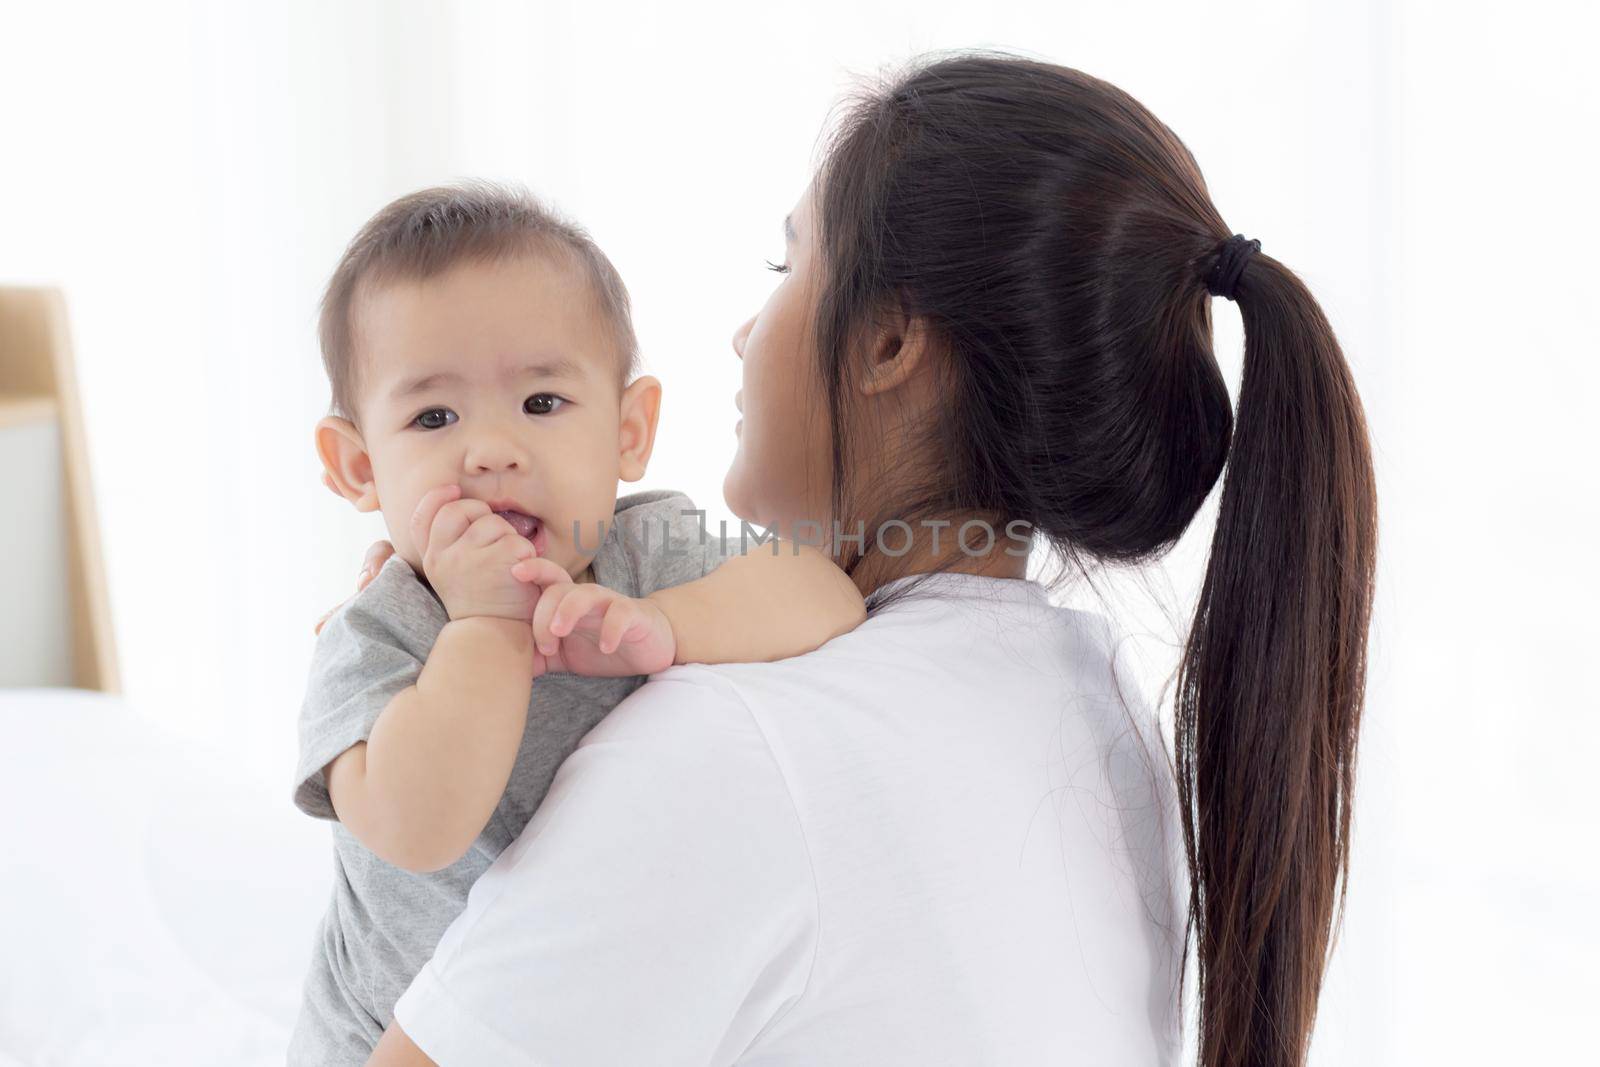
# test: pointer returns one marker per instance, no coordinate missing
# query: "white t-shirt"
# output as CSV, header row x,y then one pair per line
x,y
946,837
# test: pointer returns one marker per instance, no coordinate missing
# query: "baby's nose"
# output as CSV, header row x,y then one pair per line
x,y
486,461
495,454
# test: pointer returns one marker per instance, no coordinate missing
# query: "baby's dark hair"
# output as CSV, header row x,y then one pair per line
x,y
427,232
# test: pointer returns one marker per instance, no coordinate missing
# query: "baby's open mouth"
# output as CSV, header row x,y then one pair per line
x,y
525,525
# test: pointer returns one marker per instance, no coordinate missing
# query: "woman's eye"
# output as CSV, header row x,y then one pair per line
x,y
773,266
425,422
541,403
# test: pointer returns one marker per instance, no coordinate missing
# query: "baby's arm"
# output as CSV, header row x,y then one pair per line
x,y
423,785
761,606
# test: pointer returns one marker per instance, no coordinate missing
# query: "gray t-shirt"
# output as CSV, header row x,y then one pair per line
x,y
383,922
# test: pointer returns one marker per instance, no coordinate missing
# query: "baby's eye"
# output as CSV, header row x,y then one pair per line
x,y
425,423
542,403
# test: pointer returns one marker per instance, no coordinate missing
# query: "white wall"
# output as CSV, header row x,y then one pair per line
x,y
189,173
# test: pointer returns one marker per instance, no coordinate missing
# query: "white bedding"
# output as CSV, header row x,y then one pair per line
x,y
155,911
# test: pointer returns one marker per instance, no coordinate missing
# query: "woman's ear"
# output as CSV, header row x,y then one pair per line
x,y
641,407
347,469
899,348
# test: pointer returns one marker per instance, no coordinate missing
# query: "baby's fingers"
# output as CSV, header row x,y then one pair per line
x,y
549,599
576,605
540,572
428,507
624,620
456,517
485,530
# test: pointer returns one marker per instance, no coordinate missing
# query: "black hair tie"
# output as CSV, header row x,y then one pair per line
x,y
1235,252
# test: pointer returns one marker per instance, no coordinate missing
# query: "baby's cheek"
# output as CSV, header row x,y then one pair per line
x,y
398,531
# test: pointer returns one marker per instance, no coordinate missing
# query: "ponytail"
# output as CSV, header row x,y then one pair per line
x,y
1271,681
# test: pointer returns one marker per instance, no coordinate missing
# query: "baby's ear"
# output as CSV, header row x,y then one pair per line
x,y
641,407
347,469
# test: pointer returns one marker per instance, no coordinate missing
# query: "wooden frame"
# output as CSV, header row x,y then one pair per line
x,y
37,382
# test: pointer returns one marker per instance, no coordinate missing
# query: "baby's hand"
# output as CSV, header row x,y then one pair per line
x,y
590,629
467,554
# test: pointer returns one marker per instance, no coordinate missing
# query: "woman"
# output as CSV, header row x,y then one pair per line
x,y
947,837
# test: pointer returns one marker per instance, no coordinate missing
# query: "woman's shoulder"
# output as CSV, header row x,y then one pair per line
x,y
930,641
679,722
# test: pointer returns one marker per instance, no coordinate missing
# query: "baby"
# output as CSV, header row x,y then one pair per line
x,y
482,363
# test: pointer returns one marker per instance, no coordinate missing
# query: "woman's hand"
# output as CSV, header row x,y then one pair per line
x,y
590,629
380,551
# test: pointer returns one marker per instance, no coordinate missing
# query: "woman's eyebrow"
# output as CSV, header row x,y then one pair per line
x,y
788,229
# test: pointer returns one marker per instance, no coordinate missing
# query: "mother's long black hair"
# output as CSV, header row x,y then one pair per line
x,y
1056,236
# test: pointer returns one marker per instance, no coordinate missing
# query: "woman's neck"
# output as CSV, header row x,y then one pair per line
x,y
1003,559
